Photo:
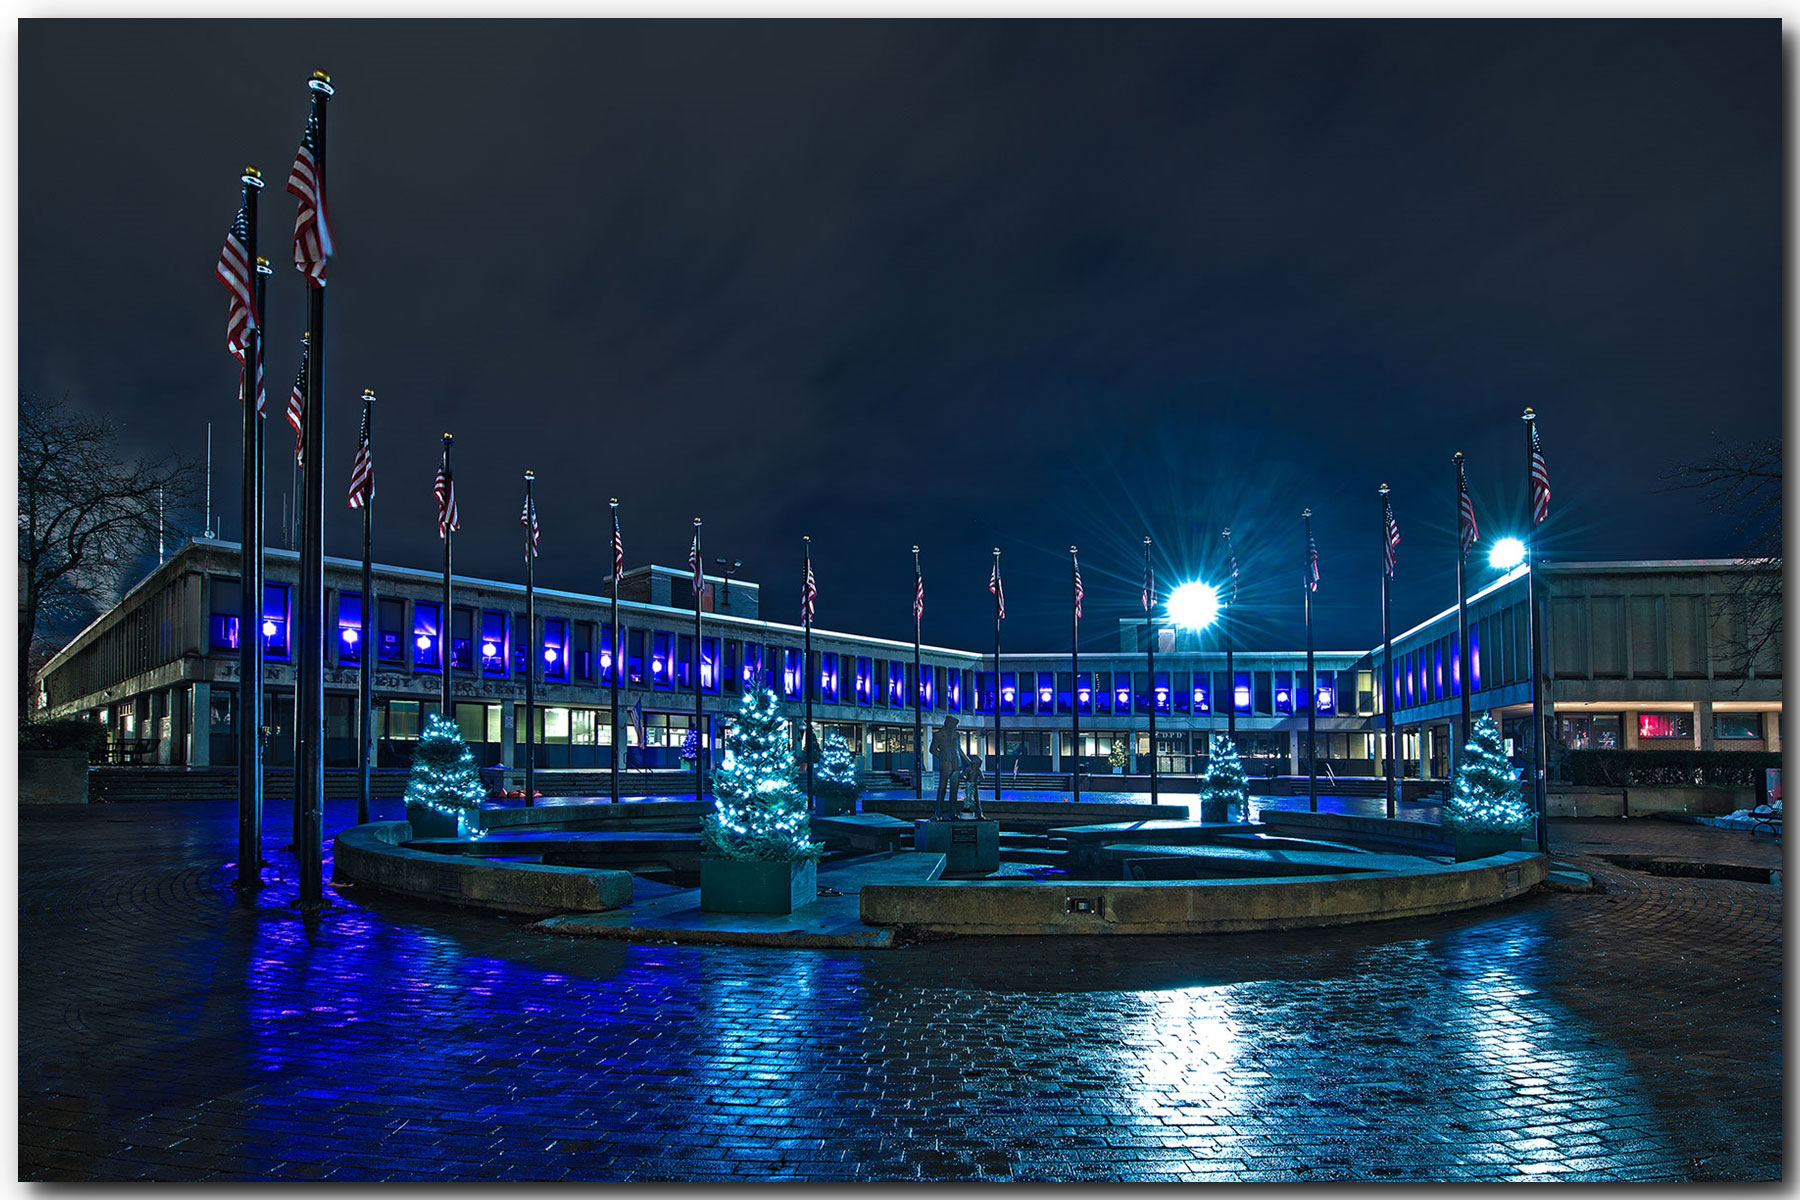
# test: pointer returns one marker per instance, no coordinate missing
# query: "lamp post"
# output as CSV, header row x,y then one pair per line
x,y
1193,606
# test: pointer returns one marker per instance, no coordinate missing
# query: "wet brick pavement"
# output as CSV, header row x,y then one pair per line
x,y
168,1030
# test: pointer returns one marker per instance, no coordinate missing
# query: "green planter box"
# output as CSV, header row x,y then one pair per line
x,y
836,806
429,823
1471,845
731,885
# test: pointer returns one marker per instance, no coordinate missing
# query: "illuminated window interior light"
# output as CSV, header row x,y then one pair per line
x,y
268,629
1281,697
1006,694
1085,695
656,666
549,654
489,650
349,636
1242,696
605,660
1324,697
1044,695
423,641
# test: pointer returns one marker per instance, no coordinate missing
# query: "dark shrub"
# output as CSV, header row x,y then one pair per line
x,y
64,733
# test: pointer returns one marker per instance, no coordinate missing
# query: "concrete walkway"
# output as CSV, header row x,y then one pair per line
x,y
171,1030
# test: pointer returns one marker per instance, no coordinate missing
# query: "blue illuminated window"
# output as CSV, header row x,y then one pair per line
x,y
709,665
350,628
793,675
1202,696
554,653
581,651
956,690
1084,692
425,635
1475,656
1009,691
865,682
984,691
275,621
929,698
390,629
493,643
731,672
1103,691
684,661
1122,691
1046,692
1284,692
752,671
662,661
1161,687
1326,690
897,684
1240,691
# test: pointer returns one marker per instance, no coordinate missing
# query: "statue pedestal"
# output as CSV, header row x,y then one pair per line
x,y
969,847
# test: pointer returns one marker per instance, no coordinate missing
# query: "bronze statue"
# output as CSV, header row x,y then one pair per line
x,y
949,756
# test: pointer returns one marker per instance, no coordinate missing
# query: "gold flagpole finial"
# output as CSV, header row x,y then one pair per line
x,y
1383,489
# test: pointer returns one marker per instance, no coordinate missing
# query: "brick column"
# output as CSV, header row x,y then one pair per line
x,y
1703,725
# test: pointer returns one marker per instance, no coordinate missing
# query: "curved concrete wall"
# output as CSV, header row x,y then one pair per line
x,y
372,856
1201,905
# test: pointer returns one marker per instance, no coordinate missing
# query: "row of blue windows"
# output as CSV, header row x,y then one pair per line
x,y
1042,692
1433,672
583,651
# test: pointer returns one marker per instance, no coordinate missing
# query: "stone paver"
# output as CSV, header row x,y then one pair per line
x,y
170,1031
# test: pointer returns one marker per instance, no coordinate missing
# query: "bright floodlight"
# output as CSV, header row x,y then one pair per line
x,y
1194,605
1507,553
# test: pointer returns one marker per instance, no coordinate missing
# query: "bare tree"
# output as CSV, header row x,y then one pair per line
x,y
1744,480
86,514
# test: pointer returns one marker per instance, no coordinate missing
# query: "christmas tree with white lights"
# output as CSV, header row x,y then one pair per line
x,y
759,811
838,776
444,778
1225,787
1486,798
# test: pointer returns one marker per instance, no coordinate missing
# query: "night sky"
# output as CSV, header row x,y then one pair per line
x,y
968,285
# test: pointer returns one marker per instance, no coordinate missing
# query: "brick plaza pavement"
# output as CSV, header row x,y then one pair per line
x,y
168,1030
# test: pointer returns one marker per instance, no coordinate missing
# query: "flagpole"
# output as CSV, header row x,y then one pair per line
x,y
618,658
1387,659
365,684
999,746
699,591
806,742
531,657
1075,673
1230,663
1462,609
312,560
1312,687
250,643
1150,652
1534,636
449,533
918,712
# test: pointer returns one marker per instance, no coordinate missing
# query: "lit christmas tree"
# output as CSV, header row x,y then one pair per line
x,y
690,745
759,812
1225,786
444,778
1486,799
838,777
1115,757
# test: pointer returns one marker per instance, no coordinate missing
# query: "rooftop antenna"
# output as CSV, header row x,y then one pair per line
x,y
209,527
159,525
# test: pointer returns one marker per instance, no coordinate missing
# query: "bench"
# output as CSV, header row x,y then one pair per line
x,y
1768,817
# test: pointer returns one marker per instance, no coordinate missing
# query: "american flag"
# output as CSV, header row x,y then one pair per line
x,y
1231,550
694,565
809,595
312,225
918,592
1540,480
444,491
1078,591
362,471
998,589
1470,534
528,520
1149,581
1312,557
618,550
234,272
261,399
296,408
1392,530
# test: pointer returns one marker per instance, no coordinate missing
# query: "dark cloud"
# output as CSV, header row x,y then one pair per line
x,y
961,284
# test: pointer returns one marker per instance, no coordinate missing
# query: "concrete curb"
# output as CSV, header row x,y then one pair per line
x,y
372,856
1009,907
